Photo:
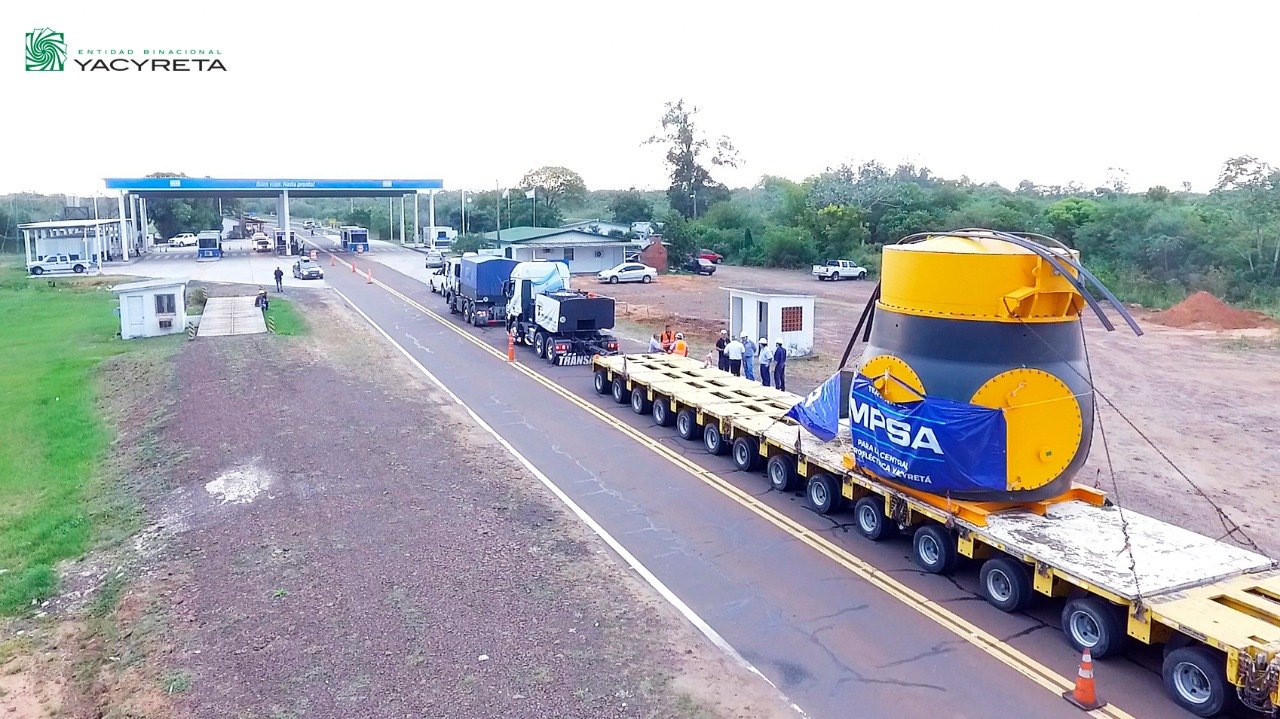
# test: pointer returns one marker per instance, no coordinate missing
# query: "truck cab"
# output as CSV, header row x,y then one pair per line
x,y
838,270
563,326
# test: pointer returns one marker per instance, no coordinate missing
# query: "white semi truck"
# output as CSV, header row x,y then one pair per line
x,y
564,327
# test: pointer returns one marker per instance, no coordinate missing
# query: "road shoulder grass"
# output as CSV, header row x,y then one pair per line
x,y
56,335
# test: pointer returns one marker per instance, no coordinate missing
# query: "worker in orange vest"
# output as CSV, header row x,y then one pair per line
x,y
680,348
668,338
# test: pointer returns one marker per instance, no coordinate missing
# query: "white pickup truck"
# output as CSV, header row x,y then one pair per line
x,y
839,270
57,263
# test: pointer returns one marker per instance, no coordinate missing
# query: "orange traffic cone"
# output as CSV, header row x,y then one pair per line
x,y
333,262
1084,695
368,276
353,266
511,347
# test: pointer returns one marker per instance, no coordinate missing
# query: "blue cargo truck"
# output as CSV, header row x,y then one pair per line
x,y
479,298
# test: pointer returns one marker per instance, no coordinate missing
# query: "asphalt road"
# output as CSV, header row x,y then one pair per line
x,y
835,644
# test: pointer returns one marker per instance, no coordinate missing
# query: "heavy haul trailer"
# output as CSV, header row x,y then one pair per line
x,y
965,421
1216,607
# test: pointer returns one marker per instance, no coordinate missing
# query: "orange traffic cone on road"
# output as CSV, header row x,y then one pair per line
x,y
368,274
353,266
333,262
511,347
1084,695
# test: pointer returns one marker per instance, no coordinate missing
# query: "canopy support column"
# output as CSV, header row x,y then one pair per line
x,y
417,231
284,218
402,238
124,229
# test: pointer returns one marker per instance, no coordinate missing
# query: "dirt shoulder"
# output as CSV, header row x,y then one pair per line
x,y
335,541
1206,399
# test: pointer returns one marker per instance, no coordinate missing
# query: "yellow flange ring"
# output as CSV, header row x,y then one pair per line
x,y
876,368
1044,424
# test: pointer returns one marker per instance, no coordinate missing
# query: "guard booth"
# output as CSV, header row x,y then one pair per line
x,y
286,249
354,239
209,245
777,315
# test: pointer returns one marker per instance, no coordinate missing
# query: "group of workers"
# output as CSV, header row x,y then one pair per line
x,y
741,356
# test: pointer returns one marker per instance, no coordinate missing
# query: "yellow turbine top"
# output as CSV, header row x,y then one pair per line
x,y
976,278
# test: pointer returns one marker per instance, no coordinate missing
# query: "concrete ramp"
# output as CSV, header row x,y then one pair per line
x,y
231,316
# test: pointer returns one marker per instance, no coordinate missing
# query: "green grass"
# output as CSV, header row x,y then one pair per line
x,y
53,441
287,319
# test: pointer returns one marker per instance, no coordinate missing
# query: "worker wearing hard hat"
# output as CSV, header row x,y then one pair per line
x,y
680,347
748,357
766,359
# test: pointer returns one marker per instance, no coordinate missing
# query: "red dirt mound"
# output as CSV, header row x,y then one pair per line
x,y
1203,311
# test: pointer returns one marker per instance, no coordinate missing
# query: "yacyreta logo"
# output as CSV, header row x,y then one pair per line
x,y
46,50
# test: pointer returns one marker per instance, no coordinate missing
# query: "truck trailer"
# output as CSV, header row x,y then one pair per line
x,y
1122,576
563,326
479,296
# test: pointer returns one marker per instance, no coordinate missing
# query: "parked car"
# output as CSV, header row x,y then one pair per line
x,y
183,239
628,272
261,243
305,269
838,270
435,258
57,263
632,257
436,281
309,224
710,256
701,266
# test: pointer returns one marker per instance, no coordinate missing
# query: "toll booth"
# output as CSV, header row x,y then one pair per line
x,y
209,246
292,247
355,239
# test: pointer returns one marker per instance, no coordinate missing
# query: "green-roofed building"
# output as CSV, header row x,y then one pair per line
x,y
585,252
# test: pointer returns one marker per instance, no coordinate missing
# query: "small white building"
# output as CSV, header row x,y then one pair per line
x,y
80,239
775,314
152,308
584,252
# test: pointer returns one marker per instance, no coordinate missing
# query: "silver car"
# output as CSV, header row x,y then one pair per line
x,y
628,272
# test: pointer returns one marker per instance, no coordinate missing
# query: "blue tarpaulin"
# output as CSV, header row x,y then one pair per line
x,y
820,411
934,444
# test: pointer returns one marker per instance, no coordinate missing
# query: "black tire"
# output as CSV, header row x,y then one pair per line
x,y
1196,680
662,413
640,403
713,439
835,276
1006,584
687,425
78,269
540,344
646,279
619,391
870,520
823,493
934,549
782,472
601,382
37,270
746,454
1095,624
613,280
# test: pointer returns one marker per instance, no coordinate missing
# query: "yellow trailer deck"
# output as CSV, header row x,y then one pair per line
x,y
1125,575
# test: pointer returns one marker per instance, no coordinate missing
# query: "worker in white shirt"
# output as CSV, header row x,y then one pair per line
x,y
734,351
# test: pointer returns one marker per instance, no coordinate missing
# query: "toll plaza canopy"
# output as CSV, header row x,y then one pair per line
x,y
136,191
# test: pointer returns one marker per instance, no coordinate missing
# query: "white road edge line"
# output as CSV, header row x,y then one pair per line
x,y
685,610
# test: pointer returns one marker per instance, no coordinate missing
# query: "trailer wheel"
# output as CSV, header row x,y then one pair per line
x,y
620,393
540,344
713,439
640,403
1196,679
870,519
934,550
1095,624
824,493
1006,584
782,472
662,413
602,383
746,453
687,425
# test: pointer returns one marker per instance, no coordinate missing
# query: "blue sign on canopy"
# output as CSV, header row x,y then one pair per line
x,y
934,444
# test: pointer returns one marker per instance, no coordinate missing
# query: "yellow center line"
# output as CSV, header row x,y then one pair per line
x,y
978,637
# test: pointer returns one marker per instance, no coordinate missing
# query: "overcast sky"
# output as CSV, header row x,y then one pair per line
x,y
477,92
